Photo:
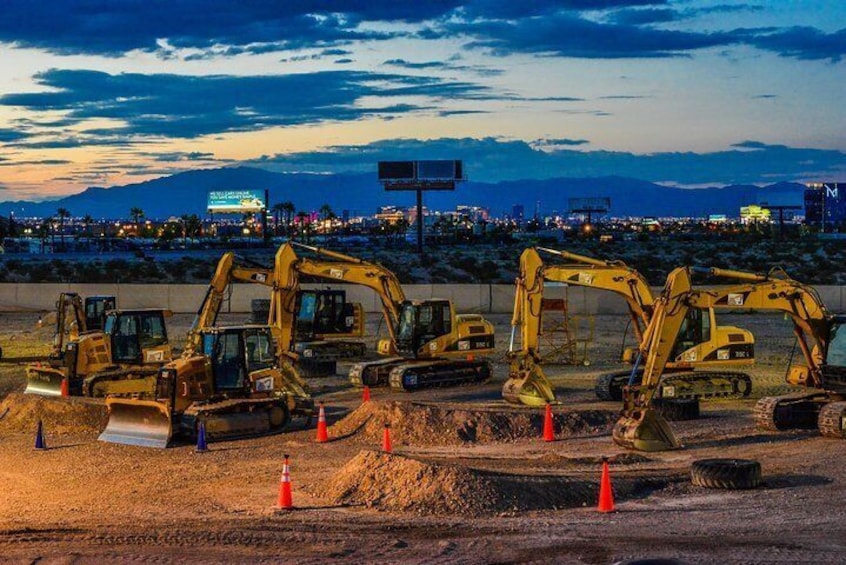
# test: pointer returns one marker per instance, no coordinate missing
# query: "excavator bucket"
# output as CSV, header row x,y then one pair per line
x,y
528,385
44,380
644,430
147,423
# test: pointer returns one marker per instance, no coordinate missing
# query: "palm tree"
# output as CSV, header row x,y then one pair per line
x,y
288,209
86,221
137,214
302,216
63,213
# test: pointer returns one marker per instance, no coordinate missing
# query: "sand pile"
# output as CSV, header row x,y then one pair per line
x,y
399,483
20,412
421,424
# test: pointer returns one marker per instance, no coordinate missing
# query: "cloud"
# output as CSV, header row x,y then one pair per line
x,y
558,142
39,162
10,135
492,159
110,28
802,43
178,106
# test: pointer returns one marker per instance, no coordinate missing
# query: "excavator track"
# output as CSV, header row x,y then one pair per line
x,y
832,420
373,373
682,384
235,418
792,411
412,376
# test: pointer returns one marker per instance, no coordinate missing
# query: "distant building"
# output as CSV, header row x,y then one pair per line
x,y
754,214
517,212
825,205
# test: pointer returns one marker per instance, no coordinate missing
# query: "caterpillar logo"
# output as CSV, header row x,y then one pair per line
x,y
585,278
735,299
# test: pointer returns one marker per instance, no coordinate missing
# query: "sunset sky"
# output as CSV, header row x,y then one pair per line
x,y
689,92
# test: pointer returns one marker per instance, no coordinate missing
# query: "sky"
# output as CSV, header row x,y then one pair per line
x,y
682,92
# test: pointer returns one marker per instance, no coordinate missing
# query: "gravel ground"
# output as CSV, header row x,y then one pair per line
x,y
507,498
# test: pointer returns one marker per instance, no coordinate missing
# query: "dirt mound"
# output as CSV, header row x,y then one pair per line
x,y
421,424
399,483
20,412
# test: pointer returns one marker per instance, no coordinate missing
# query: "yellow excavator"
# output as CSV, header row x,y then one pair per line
x,y
702,345
122,358
429,345
818,334
317,328
235,381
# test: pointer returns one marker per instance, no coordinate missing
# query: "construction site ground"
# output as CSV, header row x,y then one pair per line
x,y
470,480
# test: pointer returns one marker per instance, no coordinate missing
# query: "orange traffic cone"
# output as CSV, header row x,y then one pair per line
x,y
65,388
386,439
606,497
286,501
322,432
365,396
548,429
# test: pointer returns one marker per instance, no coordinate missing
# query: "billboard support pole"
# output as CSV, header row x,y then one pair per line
x,y
419,221
264,233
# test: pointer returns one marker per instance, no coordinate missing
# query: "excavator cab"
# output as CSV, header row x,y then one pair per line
x,y
422,322
95,311
322,313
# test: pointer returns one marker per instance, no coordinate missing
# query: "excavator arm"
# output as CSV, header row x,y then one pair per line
x,y
230,268
332,266
527,383
640,427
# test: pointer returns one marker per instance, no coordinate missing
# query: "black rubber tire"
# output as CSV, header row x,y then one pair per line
x,y
731,474
677,409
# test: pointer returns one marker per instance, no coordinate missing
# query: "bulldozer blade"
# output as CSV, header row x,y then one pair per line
x,y
529,387
45,381
138,422
645,430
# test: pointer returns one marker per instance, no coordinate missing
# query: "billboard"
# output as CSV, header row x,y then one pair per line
x,y
422,175
237,201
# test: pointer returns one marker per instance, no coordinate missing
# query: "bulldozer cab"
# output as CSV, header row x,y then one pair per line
x,y
422,322
235,352
132,332
95,311
321,312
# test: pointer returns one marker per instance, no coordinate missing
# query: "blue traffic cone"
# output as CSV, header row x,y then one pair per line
x,y
202,446
39,437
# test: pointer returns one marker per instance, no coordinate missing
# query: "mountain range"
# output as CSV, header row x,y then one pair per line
x,y
186,193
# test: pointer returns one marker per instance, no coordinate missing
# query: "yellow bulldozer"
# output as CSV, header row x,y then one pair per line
x,y
234,386
122,358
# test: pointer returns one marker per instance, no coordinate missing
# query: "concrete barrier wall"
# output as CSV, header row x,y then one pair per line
x,y
186,298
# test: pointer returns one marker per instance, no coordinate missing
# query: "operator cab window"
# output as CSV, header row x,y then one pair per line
x,y
228,362
125,338
836,356
152,330
259,343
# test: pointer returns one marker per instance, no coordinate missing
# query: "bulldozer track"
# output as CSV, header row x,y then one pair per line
x,y
726,384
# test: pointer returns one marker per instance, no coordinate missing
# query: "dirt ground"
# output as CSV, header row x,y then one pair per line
x,y
470,480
